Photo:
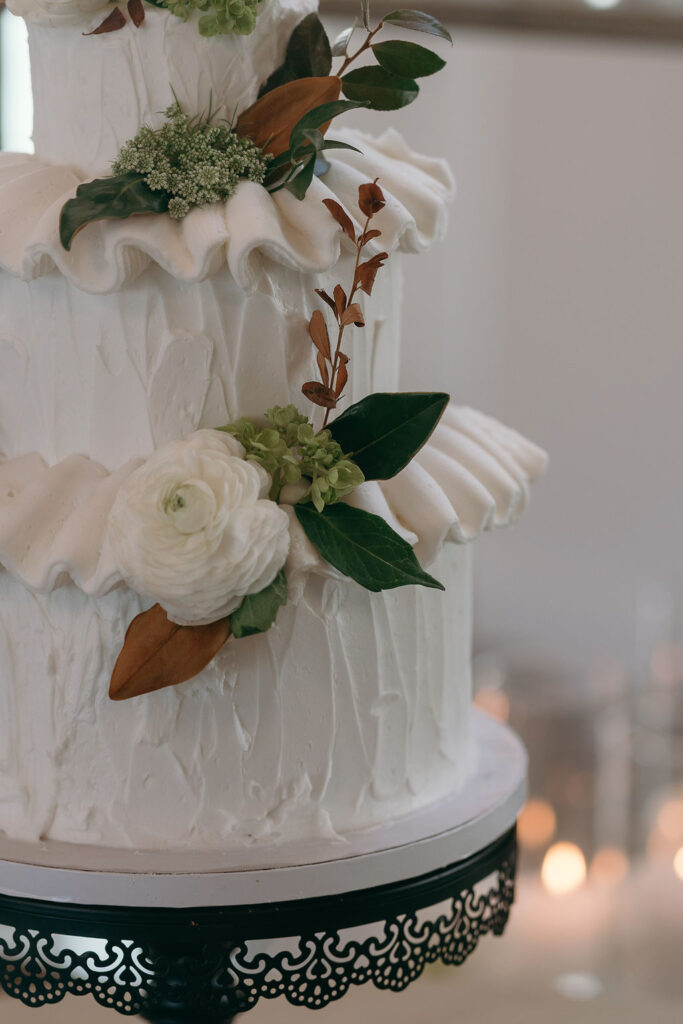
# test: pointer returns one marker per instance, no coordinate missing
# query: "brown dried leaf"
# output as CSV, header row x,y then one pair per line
x,y
317,329
339,300
322,366
158,653
320,394
342,378
371,199
136,9
342,218
353,315
112,23
269,121
367,272
367,236
327,298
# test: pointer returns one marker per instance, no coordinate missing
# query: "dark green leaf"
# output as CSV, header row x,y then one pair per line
x,y
379,88
384,431
336,144
118,197
257,613
363,546
318,116
300,184
308,55
407,59
417,21
342,41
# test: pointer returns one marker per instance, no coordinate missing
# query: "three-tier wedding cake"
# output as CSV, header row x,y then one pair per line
x,y
166,515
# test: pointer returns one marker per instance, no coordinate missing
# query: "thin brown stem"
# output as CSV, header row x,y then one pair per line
x,y
362,49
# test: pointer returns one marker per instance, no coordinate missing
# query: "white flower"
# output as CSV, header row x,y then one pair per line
x,y
57,12
193,529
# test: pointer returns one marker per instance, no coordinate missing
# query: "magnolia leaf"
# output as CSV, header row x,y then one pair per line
x,y
317,329
258,612
384,431
417,21
308,55
136,9
379,88
371,199
270,121
116,198
363,546
112,23
407,59
353,315
342,218
367,272
320,394
340,45
158,653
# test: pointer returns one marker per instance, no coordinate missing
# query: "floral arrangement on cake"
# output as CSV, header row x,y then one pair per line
x,y
204,527
279,141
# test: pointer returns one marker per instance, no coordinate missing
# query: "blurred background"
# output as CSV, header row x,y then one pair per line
x,y
556,304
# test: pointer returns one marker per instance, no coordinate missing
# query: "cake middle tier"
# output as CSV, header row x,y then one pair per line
x,y
117,375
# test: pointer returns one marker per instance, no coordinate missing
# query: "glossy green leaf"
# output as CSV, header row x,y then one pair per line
x,y
379,88
407,59
320,115
417,21
300,184
384,431
308,55
258,612
363,546
115,198
339,46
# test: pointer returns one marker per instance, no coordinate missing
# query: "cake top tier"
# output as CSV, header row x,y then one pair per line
x,y
93,92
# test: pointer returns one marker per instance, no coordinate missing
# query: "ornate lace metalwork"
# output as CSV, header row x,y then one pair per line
x,y
221,962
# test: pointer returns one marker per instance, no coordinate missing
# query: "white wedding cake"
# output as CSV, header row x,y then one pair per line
x,y
123,348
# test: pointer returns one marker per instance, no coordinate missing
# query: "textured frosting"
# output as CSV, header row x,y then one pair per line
x,y
92,93
472,475
352,710
253,228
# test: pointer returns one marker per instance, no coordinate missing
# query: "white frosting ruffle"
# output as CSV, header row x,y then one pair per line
x,y
251,227
472,475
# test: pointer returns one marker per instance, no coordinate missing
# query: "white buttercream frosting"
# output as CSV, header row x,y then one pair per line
x,y
251,229
473,474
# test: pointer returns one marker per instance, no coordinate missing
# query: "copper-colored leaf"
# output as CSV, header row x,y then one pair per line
x,y
158,653
371,198
367,236
322,366
353,315
269,121
342,218
317,329
342,378
320,394
367,272
136,9
339,300
326,298
112,23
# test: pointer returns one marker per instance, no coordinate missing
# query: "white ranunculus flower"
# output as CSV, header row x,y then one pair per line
x,y
57,12
193,528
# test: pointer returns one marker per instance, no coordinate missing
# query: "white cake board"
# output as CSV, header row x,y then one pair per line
x,y
446,832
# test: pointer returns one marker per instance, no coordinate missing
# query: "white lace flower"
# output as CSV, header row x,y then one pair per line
x,y
193,529
57,12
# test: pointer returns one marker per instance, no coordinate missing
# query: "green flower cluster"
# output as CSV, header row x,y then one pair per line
x,y
238,16
195,161
290,450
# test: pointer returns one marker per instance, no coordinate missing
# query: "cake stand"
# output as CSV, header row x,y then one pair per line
x,y
201,937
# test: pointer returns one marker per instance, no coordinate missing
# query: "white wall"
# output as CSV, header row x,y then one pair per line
x,y
557,303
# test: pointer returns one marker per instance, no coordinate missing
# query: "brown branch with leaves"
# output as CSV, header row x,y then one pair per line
x,y
333,367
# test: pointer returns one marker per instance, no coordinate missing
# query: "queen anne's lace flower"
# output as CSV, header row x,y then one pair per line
x,y
192,528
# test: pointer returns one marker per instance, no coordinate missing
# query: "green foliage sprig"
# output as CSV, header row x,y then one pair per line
x,y
223,17
290,449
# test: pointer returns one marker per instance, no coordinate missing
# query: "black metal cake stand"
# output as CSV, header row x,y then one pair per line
x,y
202,937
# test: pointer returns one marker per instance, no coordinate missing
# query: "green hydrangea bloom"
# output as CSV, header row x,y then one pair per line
x,y
196,161
226,16
290,450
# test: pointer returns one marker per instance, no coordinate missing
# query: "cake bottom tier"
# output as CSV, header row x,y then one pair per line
x,y
351,711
